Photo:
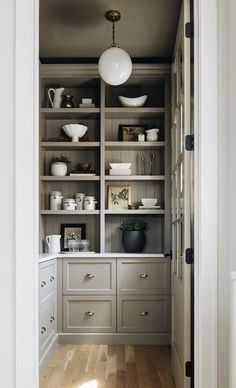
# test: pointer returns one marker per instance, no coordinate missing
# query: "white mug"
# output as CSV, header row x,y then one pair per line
x,y
53,243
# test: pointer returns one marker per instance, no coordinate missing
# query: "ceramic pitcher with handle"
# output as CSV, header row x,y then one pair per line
x,y
53,242
55,97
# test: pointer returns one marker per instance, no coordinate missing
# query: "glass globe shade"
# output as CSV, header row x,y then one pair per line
x,y
115,66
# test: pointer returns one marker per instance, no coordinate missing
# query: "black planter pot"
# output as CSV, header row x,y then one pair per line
x,y
133,241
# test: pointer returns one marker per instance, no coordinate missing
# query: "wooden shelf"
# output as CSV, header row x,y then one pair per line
x,y
68,178
69,212
133,145
126,113
69,146
66,113
135,178
136,211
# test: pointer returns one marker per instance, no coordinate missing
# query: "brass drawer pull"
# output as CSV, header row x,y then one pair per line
x,y
52,319
89,313
143,313
43,284
52,278
43,329
89,275
143,275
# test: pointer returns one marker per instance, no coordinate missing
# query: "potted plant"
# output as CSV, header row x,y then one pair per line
x,y
59,165
133,235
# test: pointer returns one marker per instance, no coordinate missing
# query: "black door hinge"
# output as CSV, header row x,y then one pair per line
x,y
168,254
189,255
189,142
189,369
189,30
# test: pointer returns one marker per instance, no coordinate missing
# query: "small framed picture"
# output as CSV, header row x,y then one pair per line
x,y
119,197
71,232
130,132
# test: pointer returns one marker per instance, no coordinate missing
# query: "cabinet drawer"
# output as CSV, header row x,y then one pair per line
x,y
89,314
47,324
47,280
88,276
145,276
143,314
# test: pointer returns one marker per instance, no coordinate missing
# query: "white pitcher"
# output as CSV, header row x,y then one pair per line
x,y
56,98
53,243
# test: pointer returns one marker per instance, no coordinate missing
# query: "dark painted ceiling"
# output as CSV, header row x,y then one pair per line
x,y
78,28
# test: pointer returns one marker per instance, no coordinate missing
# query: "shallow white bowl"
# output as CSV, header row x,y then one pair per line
x,y
132,102
149,201
120,166
75,131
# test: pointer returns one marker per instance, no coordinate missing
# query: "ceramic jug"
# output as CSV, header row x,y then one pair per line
x,y
152,134
56,97
53,243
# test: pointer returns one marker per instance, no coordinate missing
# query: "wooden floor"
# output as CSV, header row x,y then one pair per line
x,y
108,366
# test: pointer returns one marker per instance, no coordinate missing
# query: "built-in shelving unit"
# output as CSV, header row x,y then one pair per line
x,y
101,146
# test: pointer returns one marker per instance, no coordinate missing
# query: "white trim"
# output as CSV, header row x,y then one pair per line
x,y
206,201
26,193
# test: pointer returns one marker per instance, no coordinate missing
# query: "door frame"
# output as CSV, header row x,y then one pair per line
x,y
26,127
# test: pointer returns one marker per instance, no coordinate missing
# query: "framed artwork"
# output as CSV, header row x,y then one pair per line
x,y
119,197
130,132
71,232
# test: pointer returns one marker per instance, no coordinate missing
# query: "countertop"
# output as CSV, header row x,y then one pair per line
x,y
50,256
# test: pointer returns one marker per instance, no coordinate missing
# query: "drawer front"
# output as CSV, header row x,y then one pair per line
x,y
47,324
86,276
144,314
89,314
145,276
47,280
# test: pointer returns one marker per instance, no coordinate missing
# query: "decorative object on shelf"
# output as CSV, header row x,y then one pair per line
x,y
56,99
130,132
67,101
69,204
75,131
73,245
84,166
141,137
71,232
79,198
132,207
133,235
59,165
132,102
149,201
90,202
152,134
120,169
152,163
87,103
114,65
119,197
53,243
84,245
55,200
142,165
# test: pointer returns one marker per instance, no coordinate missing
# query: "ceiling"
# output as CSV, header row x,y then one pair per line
x,y
78,29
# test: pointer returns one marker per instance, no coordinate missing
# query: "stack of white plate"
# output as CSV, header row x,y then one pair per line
x,y
120,169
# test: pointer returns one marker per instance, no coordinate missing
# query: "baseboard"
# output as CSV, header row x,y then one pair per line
x,y
47,354
115,338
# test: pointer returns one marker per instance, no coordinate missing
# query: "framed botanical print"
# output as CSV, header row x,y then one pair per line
x,y
130,132
119,197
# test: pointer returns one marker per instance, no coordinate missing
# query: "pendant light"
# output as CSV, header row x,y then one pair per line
x,y
115,65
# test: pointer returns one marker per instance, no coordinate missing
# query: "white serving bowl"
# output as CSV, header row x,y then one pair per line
x,y
75,131
132,102
149,201
120,166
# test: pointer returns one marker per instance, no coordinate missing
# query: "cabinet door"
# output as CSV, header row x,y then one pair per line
x,y
87,276
143,314
89,314
47,324
143,276
47,280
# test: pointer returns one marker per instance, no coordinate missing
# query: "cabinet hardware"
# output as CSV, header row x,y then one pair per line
x,y
189,369
52,319
168,254
52,278
143,313
189,256
189,142
43,329
189,30
43,284
89,313
143,275
89,275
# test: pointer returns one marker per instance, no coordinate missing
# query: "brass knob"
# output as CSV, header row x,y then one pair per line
x,y
52,278
143,313
143,275
89,313
43,329
52,319
43,284
89,275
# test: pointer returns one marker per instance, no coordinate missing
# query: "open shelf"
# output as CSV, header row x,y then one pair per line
x,y
69,212
133,113
142,212
69,178
69,112
135,178
60,146
133,145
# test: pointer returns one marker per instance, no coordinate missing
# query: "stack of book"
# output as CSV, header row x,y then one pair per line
x,y
83,173
120,172
87,103
120,169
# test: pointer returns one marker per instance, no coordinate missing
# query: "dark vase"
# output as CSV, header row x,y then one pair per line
x,y
133,241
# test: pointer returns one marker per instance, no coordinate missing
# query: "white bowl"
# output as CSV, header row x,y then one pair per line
x,y
132,102
149,201
120,166
75,131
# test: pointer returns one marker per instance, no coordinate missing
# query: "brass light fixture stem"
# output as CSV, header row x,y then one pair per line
x,y
113,16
